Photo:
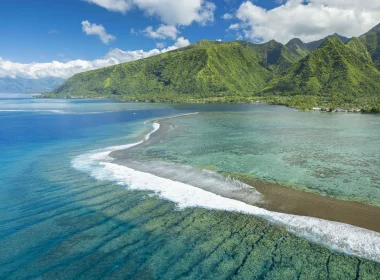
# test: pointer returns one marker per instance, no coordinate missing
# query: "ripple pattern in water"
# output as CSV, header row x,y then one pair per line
x,y
58,223
72,227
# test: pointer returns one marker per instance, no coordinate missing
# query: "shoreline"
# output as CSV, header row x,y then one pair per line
x,y
291,201
213,100
283,199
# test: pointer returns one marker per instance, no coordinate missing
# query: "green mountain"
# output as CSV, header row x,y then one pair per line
x,y
312,46
23,85
334,71
372,42
298,47
374,28
272,55
205,69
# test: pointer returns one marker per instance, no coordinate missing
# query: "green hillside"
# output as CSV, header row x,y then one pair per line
x,y
360,49
335,71
272,55
334,74
372,43
312,46
298,47
205,69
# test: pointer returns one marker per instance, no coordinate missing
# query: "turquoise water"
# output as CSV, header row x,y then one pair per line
x,y
330,154
59,223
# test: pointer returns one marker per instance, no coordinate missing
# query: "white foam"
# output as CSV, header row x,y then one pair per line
x,y
156,126
50,111
336,236
204,179
61,111
188,114
175,116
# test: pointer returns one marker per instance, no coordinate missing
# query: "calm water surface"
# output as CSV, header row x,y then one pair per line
x,y
330,154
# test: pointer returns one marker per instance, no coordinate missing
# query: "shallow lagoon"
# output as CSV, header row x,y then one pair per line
x,y
57,222
330,154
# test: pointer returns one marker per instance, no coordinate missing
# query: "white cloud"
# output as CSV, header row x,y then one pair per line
x,y
160,45
162,32
181,42
234,26
308,20
227,16
58,69
206,14
113,5
98,30
171,12
219,40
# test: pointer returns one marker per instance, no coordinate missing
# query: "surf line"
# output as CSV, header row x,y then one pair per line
x,y
336,236
171,117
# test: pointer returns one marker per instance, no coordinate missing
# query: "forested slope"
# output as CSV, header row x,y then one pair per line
x,y
332,71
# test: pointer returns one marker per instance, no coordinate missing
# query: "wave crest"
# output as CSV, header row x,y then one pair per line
x,y
336,236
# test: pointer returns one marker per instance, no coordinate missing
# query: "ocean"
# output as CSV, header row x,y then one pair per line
x,y
69,211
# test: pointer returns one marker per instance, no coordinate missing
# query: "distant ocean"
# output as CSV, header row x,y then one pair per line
x,y
69,212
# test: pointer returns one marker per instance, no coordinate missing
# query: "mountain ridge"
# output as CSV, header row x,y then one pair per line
x,y
338,71
312,46
298,47
333,69
371,39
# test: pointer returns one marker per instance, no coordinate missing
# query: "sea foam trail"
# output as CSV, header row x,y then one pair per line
x,y
156,126
175,116
36,110
200,178
336,236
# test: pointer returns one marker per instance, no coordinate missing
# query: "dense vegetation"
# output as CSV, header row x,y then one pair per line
x,y
371,40
334,72
201,71
312,46
330,73
298,47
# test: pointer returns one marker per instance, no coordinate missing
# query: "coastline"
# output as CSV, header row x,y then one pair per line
x,y
291,201
279,198
225,100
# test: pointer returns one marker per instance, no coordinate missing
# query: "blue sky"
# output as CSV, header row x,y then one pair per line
x,y
44,30
58,38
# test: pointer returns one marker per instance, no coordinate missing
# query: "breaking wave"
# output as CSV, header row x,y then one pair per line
x,y
156,126
36,110
339,237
